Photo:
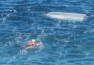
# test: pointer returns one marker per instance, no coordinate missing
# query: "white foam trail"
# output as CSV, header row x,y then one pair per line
x,y
66,16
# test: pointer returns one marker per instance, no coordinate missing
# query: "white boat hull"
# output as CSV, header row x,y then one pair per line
x,y
66,16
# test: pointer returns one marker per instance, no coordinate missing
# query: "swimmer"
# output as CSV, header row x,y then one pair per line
x,y
31,44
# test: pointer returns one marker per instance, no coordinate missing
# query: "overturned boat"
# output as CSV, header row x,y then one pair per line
x,y
66,16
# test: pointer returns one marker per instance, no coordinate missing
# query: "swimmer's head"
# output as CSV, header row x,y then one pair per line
x,y
33,40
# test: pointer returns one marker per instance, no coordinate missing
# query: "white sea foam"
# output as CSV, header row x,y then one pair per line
x,y
66,16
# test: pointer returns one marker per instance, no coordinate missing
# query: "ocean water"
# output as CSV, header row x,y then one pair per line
x,y
61,42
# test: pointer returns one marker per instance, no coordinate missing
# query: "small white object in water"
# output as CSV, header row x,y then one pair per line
x,y
66,16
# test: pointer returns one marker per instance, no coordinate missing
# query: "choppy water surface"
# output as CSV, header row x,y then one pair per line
x,y
61,42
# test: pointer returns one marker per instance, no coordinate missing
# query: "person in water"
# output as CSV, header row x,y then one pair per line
x,y
32,43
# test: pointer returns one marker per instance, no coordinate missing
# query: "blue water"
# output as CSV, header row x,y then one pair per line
x,y
61,42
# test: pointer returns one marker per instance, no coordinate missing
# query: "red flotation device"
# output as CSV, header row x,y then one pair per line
x,y
32,44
